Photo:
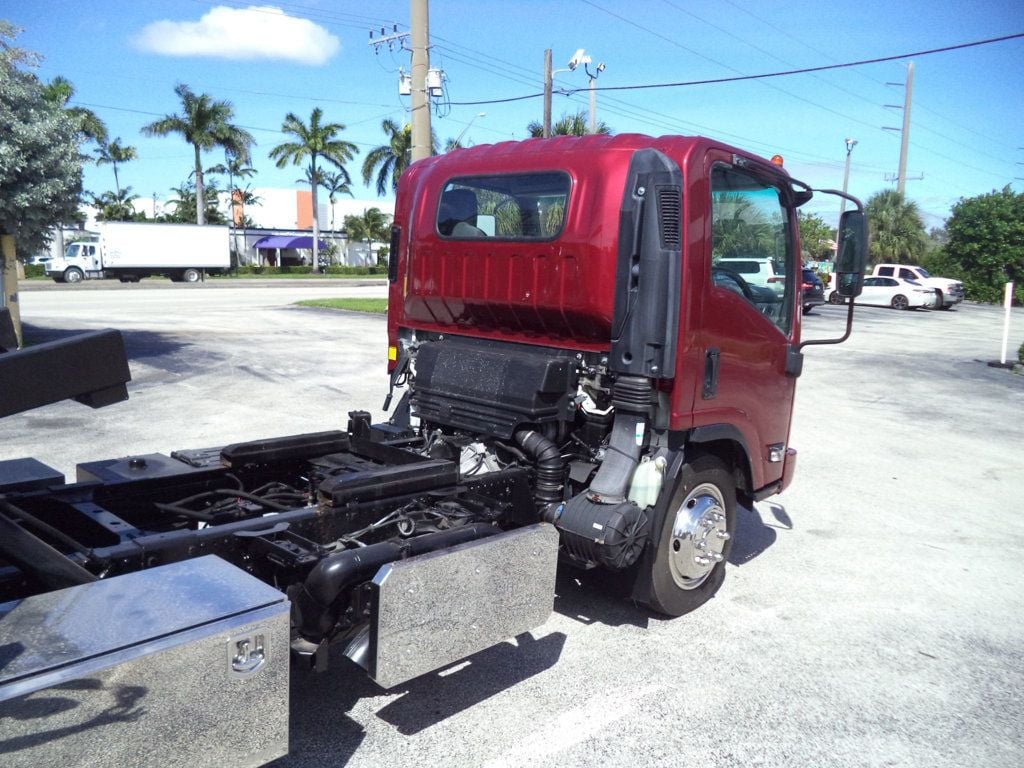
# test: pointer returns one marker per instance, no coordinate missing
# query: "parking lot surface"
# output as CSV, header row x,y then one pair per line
x,y
872,615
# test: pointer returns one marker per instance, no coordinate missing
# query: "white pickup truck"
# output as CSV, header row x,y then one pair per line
x,y
948,292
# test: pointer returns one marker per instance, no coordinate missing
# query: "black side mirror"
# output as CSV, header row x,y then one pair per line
x,y
852,254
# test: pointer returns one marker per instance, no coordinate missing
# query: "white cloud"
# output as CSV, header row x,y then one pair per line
x,y
256,32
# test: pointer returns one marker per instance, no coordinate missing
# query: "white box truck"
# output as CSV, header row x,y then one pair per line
x,y
131,251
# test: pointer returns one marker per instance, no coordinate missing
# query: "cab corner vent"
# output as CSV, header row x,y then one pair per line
x,y
669,216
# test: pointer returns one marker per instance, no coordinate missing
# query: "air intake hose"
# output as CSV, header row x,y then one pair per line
x,y
632,400
548,461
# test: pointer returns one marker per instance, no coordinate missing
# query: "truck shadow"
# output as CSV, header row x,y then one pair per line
x,y
753,535
330,735
159,350
598,596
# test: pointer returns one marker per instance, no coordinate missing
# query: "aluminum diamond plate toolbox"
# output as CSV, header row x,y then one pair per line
x,y
437,608
182,665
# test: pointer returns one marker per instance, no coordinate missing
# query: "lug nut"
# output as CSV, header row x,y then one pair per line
x,y
724,535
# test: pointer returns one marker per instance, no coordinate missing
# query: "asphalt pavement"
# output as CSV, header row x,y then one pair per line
x,y
872,615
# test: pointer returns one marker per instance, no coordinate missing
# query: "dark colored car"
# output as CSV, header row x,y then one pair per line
x,y
814,291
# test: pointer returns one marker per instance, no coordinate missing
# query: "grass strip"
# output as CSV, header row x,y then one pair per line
x,y
373,306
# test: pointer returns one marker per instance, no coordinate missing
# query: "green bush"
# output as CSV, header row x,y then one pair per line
x,y
1020,354
35,270
339,269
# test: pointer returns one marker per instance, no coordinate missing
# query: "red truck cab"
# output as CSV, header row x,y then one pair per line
x,y
580,288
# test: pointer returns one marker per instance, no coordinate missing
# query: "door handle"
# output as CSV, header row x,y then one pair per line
x,y
711,359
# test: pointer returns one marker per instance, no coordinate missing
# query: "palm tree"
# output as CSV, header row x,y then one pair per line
x,y
185,204
234,167
117,206
897,230
568,125
372,226
60,91
336,183
115,153
204,123
314,141
390,160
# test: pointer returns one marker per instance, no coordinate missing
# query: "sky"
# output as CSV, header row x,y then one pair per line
x,y
965,139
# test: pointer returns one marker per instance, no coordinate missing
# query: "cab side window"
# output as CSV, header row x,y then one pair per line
x,y
751,253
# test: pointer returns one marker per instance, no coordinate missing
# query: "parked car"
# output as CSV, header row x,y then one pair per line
x,y
763,271
813,290
890,292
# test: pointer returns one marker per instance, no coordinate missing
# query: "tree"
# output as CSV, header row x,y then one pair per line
x,y
373,226
313,142
185,205
986,244
816,237
235,167
897,231
336,183
390,160
204,123
568,125
114,153
117,206
40,164
60,91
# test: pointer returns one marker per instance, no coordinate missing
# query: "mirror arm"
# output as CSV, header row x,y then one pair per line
x,y
841,339
844,195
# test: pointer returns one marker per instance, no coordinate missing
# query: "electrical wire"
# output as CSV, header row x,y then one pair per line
x,y
761,76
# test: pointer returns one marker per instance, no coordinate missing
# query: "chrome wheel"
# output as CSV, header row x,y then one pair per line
x,y
699,534
899,301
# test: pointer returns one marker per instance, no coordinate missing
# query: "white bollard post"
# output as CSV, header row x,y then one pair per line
x,y
1007,302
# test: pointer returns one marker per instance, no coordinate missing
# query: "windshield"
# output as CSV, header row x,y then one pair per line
x,y
923,271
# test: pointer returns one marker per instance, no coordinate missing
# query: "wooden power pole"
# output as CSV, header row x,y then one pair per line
x,y
420,38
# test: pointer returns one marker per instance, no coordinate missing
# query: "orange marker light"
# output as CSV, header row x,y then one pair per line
x,y
777,160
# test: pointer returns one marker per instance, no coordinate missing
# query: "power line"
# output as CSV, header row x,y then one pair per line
x,y
765,75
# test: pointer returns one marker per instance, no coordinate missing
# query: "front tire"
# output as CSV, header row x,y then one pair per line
x,y
73,275
835,298
696,538
899,301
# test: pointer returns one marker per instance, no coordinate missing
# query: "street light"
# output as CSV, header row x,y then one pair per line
x,y
468,126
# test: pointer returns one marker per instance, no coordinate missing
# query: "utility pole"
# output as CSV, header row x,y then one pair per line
x,y
850,144
420,37
901,178
547,93
592,128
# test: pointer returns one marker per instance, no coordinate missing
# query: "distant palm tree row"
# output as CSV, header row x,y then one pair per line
x,y
206,123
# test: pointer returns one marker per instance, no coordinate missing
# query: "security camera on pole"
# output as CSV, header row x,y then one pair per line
x,y
580,57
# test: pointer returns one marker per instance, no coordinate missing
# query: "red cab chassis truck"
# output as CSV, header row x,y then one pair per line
x,y
579,378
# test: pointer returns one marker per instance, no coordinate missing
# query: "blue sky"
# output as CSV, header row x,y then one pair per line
x,y
966,138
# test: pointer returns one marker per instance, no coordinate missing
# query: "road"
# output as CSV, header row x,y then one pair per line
x,y
872,615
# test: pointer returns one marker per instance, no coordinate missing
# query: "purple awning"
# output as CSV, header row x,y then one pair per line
x,y
286,241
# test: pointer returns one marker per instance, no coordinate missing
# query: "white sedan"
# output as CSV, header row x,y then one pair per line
x,y
891,292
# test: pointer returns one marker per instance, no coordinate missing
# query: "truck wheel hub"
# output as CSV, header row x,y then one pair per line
x,y
698,537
